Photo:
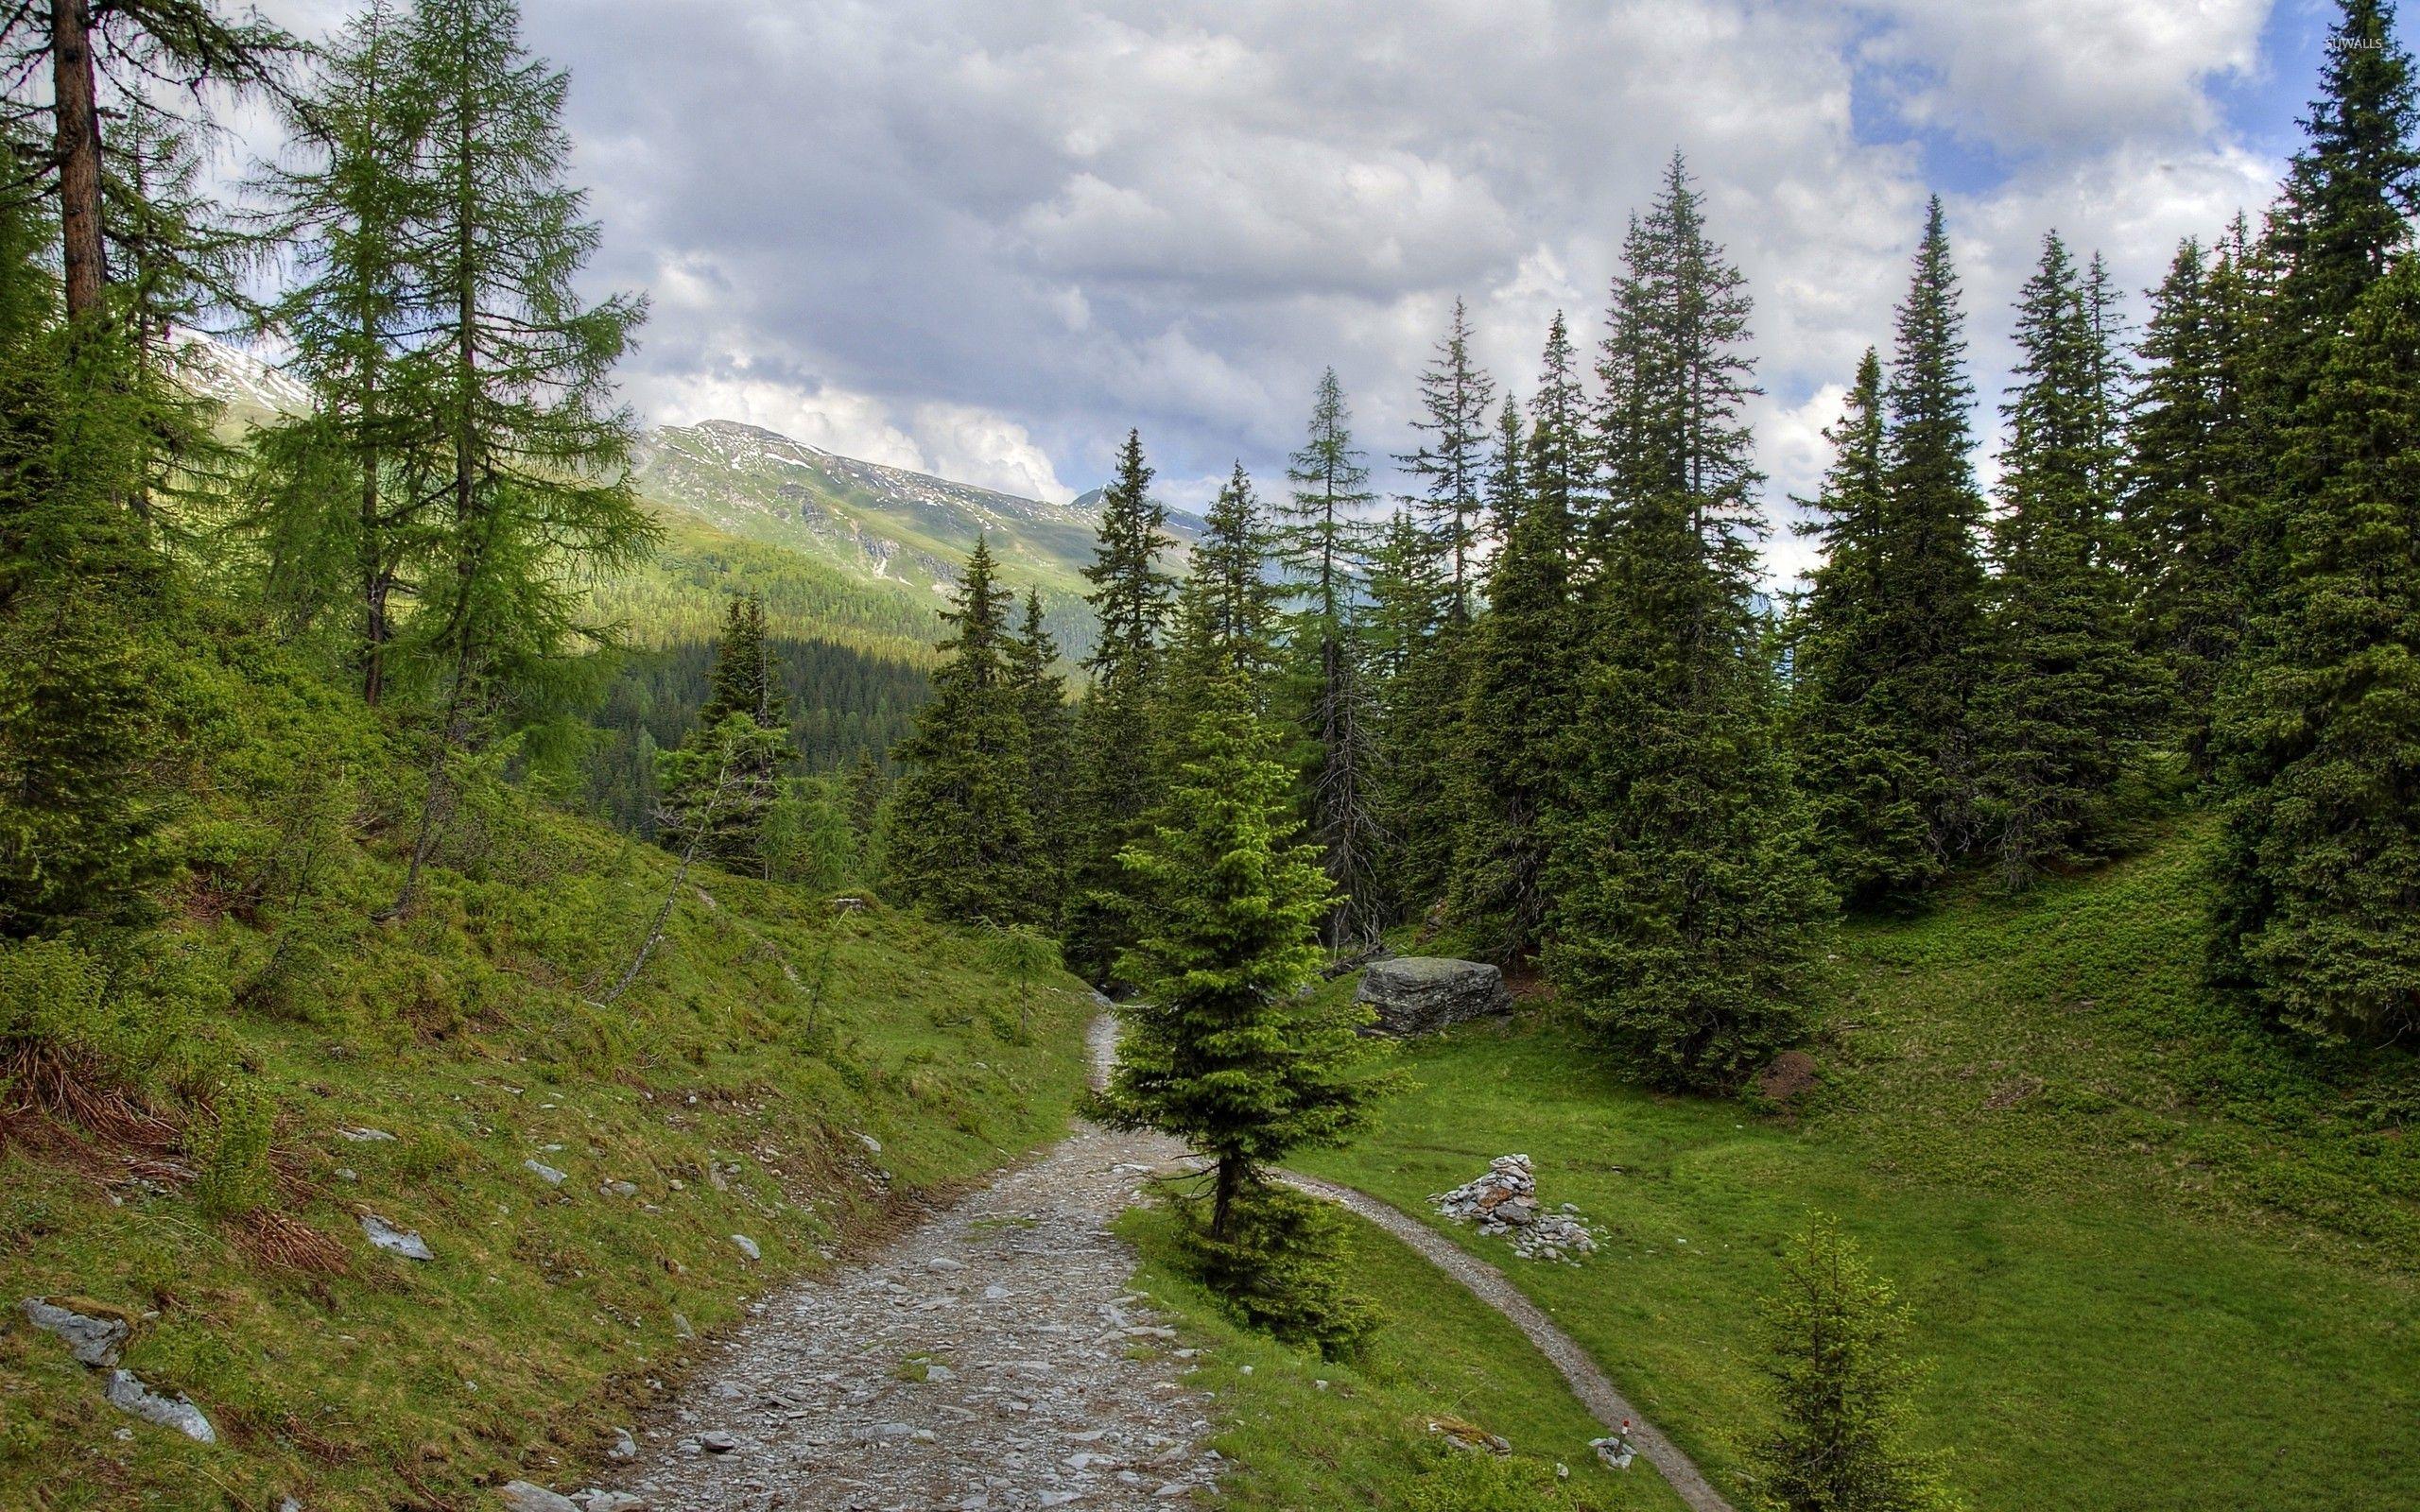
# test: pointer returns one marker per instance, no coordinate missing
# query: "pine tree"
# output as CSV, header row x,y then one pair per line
x,y
1223,1048
1861,782
2188,484
1842,1384
1520,700
2061,719
1451,461
1504,483
1690,920
1322,540
2319,737
1041,694
868,787
1118,741
512,378
961,843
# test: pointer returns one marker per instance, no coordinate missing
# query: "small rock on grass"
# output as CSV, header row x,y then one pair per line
x,y
520,1496
625,1447
127,1393
394,1241
94,1341
543,1171
747,1246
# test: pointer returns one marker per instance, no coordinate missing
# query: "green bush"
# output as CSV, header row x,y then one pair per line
x,y
1281,1269
230,1149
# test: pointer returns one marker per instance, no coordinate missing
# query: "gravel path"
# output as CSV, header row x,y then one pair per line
x,y
985,1360
994,1359
1484,1282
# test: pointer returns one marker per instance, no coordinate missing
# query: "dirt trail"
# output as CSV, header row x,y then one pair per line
x,y
1589,1382
992,1360
984,1360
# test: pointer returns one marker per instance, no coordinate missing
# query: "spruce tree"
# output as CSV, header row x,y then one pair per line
x,y
512,378
2061,721
1928,590
2189,484
2319,737
1321,539
1231,607
1041,693
1451,461
1118,741
720,797
1224,1048
1863,784
961,843
1518,727
1416,656
1689,921
1842,1383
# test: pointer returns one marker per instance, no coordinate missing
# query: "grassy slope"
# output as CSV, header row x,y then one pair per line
x,y
1363,1441
721,1087
2159,1261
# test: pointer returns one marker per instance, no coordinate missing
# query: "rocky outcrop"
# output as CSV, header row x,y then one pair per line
x,y
1421,994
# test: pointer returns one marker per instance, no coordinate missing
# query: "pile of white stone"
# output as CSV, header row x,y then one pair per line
x,y
1505,1202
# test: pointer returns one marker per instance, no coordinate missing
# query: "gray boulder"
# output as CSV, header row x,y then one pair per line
x,y
127,1393
1421,994
93,1340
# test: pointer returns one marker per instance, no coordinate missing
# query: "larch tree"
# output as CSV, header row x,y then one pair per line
x,y
338,494
1689,924
1321,539
513,377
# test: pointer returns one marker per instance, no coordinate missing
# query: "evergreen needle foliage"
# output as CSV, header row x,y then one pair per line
x,y
1842,1384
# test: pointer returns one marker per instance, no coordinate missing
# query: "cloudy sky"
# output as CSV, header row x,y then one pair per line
x,y
983,238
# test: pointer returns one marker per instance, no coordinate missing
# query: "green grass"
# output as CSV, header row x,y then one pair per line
x,y
2158,1259
725,1088
1362,1440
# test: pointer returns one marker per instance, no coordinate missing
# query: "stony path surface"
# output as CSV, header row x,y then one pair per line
x,y
1589,1382
994,1359
989,1359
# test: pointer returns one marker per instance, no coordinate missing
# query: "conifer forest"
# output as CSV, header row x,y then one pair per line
x,y
1762,854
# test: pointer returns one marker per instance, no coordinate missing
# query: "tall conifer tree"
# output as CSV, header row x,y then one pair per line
x,y
2062,718
1690,920
1119,741
960,842
1041,693
1451,461
2321,736
1521,700
1863,783
1321,539
512,378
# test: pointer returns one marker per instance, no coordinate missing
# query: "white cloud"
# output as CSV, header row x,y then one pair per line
x,y
985,239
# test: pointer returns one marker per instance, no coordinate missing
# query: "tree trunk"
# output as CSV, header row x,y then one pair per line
x,y
77,121
1231,1170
